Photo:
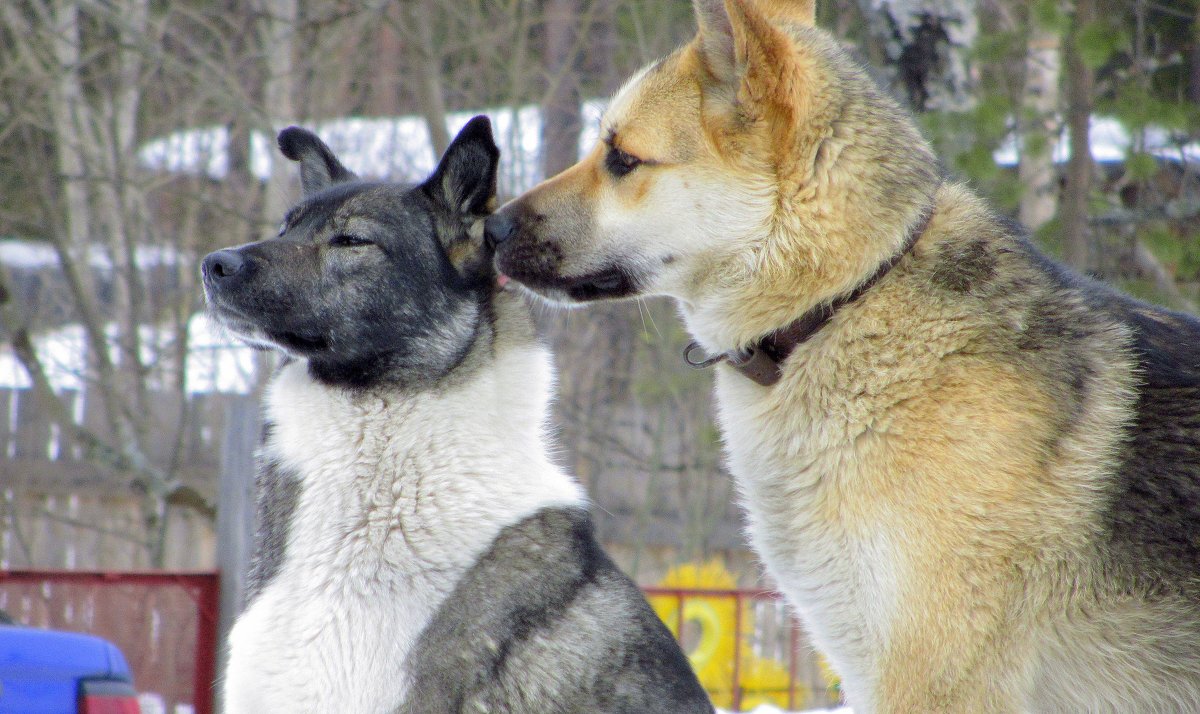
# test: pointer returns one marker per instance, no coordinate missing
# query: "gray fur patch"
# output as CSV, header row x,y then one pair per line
x,y
277,495
545,622
965,267
1155,517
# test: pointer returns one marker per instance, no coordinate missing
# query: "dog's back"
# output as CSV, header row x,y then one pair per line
x,y
406,482
546,593
1126,630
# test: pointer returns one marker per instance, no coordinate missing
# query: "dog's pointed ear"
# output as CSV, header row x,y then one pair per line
x,y
716,38
796,12
744,48
319,168
465,179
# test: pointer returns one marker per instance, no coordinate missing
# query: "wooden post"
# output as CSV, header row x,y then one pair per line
x,y
235,516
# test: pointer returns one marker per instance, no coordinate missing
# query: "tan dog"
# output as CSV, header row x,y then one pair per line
x,y
976,476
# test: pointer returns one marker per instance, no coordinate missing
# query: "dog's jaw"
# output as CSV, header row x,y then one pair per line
x,y
613,283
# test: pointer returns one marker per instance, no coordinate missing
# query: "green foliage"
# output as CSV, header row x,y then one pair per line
x,y
1049,237
970,138
1146,290
1049,15
1136,106
1100,41
993,48
1006,190
1140,166
977,163
1036,145
991,118
1178,250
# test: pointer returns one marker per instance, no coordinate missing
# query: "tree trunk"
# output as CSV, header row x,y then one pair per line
x,y
927,44
277,38
1194,63
600,64
1079,82
426,62
561,120
1038,127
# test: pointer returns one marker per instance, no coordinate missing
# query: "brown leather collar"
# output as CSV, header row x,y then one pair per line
x,y
762,359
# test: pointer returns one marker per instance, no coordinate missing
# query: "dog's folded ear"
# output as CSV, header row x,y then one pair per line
x,y
319,168
465,179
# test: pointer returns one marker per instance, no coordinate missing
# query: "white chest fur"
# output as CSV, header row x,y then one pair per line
x,y
797,470
400,494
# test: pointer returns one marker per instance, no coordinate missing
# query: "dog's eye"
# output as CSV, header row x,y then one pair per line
x,y
343,240
620,163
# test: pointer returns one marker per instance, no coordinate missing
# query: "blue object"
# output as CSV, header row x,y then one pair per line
x,y
43,671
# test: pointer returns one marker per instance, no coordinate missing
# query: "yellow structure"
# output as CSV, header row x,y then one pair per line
x,y
710,623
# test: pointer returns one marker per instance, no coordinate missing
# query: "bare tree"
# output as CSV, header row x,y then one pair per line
x,y
924,46
561,119
1038,120
91,104
1079,82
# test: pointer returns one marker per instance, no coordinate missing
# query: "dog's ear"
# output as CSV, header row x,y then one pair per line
x,y
465,179
716,38
745,49
796,12
319,168
464,183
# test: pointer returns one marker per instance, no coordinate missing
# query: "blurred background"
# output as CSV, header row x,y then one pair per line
x,y
138,135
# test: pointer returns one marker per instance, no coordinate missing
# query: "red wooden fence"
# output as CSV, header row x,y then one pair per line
x,y
166,624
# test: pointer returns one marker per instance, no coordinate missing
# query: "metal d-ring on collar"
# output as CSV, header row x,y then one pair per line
x,y
706,361
762,359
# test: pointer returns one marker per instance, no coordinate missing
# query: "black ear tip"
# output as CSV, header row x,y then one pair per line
x,y
479,128
292,141
479,124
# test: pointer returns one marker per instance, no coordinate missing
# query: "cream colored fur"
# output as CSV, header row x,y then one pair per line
x,y
923,491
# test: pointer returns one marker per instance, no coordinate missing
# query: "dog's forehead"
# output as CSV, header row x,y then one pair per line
x,y
645,115
360,203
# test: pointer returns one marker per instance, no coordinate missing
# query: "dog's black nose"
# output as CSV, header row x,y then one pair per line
x,y
222,264
498,228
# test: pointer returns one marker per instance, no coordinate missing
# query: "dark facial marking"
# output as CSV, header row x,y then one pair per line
x,y
620,163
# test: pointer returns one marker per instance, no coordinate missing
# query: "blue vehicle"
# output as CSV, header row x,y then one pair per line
x,y
54,672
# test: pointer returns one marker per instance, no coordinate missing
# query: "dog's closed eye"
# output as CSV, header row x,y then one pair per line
x,y
620,163
345,240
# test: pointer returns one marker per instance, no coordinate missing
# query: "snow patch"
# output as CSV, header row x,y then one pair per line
x,y
1110,143
216,361
390,148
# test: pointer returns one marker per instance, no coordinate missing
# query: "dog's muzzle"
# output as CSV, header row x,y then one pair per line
x,y
222,266
499,228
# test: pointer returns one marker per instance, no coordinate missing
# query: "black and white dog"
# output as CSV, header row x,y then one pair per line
x,y
417,549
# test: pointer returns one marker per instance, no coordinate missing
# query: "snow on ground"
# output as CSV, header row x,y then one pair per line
x,y
394,148
1110,143
30,255
216,361
398,148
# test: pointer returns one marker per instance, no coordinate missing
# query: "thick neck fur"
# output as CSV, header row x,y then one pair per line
x,y
401,490
840,210
411,485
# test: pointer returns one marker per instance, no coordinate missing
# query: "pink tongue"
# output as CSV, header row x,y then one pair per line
x,y
501,279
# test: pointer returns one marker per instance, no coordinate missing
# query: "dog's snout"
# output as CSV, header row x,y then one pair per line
x,y
498,228
223,264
